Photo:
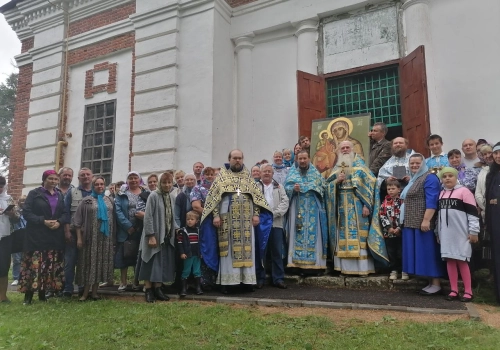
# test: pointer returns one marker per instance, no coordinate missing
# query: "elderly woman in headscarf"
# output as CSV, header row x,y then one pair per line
x,y
42,267
421,251
130,205
183,201
94,223
199,193
156,263
466,176
198,196
7,218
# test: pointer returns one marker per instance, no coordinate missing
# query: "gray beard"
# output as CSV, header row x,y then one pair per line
x,y
347,159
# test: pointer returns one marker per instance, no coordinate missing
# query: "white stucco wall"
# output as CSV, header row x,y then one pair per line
x,y
363,39
465,53
76,111
274,95
223,135
195,90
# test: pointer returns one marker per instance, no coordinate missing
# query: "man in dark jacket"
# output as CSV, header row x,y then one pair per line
x,y
380,148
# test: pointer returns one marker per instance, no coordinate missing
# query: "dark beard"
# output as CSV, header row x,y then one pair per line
x,y
236,170
303,171
400,154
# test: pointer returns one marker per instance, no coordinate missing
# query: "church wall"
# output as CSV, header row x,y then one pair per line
x,y
101,19
274,98
223,126
365,37
195,89
76,110
465,55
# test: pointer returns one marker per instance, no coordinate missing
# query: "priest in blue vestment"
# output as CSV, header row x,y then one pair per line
x,y
352,204
307,226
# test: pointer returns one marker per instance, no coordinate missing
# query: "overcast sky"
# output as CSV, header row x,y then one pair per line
x,y
9,47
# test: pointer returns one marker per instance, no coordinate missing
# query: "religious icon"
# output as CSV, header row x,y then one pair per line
x,y
327,134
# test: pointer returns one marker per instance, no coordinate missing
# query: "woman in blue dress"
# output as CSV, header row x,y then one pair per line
x,y
421,251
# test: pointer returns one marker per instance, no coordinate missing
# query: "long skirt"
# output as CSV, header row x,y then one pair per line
x,y
42,271
160,268
95,260
421,253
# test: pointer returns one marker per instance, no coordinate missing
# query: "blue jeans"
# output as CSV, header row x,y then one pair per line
x,y
275,246
70,260
192,263
16,265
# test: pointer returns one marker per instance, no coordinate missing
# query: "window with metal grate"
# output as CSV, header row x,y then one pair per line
x,y
375,91
99,138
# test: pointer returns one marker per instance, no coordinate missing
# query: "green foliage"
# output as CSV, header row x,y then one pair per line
x,y
8,92
117,324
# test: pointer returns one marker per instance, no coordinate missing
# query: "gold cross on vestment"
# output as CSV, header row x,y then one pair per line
x,y
343,165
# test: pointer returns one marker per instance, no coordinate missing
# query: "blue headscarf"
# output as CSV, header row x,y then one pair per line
x,y
289,163
102,212
413,177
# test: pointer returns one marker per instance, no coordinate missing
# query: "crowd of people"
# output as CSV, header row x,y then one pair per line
x,y
401,214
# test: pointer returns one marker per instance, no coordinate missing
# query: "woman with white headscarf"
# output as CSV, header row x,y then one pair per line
x,y
421,251
6,229
129,211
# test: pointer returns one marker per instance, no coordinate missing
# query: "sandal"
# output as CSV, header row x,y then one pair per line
x,y
465,299
451,297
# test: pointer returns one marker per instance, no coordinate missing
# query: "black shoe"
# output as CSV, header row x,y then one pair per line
x,y
41,295
280,285
183,291
198,286
149,295
249,288
223,290
451,297
49,294
260,285
159,295
28,298
68,295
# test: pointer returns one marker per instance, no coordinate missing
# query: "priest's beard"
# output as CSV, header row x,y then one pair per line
x,y
399,153
347,159
303,171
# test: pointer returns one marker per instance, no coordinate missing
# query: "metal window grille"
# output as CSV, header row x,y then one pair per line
x,y
99,138
376,92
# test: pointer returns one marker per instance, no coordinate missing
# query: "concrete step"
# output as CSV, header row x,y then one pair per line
x,y
376,282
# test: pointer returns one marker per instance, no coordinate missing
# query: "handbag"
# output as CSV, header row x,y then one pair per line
x,y
130,249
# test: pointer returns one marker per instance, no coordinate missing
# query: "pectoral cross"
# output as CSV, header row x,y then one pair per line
x,y
343,165
238,191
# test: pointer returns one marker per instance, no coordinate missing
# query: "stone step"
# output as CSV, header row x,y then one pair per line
x,y
376,282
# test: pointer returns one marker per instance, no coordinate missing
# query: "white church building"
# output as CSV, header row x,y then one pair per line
x,y
150,85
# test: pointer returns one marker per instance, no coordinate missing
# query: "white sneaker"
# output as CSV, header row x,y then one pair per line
x,y
393,275
15,283
122,288
404,276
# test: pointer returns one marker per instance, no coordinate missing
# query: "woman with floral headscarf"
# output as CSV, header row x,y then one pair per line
x,y
198,196
42,267
156,263
94,222
129,210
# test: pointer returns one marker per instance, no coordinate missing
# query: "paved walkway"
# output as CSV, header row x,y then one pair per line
x,y
309,295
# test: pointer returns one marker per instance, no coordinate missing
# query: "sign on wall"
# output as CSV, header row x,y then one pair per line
x,y
327,134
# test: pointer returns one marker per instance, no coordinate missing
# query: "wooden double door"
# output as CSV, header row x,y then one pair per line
x,y
414,100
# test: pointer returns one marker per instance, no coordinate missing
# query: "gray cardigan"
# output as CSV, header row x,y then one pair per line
x,y
280,203
154,224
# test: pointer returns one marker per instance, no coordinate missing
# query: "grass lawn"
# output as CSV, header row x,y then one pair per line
x,y
123,324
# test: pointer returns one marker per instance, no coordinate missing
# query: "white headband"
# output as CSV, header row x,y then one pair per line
x,y
496,148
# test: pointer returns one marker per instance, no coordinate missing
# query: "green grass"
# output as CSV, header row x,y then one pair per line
x,y
121,324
